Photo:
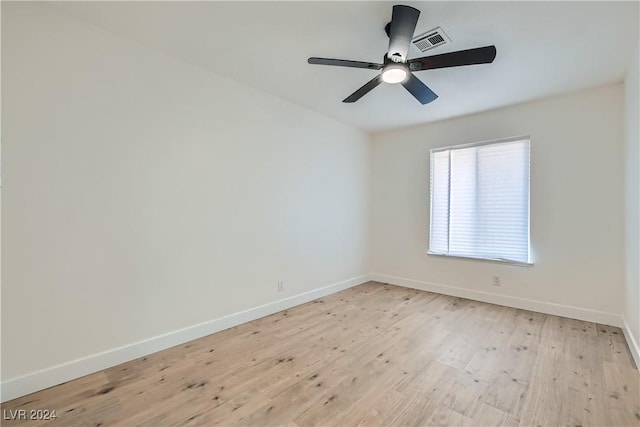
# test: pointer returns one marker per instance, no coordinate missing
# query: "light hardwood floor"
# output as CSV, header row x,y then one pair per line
x,y
371,355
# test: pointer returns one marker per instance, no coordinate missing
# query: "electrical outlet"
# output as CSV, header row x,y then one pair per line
x,y
280,286
495,280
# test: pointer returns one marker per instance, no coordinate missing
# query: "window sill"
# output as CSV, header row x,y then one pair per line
x,y
495,260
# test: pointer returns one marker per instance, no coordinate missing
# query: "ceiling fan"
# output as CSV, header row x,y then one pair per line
x,y
397,69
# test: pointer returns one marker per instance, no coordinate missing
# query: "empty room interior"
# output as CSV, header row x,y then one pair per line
x,y
326,213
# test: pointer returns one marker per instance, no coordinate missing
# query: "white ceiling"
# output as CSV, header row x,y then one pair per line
x,y
544,48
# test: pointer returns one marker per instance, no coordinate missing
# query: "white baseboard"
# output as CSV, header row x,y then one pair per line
x,y
505,300
634,348
20,386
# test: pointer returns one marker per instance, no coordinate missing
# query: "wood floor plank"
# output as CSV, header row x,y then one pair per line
x,y
372,355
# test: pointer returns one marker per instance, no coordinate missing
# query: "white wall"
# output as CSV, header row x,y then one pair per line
x,y
632,199
143,194
576,206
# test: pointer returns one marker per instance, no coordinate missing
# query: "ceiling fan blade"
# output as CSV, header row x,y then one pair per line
x,y
403,25
419,90
364,89
344,63
479,55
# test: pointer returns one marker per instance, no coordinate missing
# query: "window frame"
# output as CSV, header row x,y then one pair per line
x,y
478,258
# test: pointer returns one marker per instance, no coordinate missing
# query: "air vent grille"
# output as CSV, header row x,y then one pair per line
x,y
430,39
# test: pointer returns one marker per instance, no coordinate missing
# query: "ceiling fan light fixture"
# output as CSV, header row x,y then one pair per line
x,y
394,73
396,68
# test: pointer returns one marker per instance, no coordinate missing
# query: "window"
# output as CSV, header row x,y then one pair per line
x,y
480,201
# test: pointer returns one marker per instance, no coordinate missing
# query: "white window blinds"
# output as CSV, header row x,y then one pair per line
x,y
480,201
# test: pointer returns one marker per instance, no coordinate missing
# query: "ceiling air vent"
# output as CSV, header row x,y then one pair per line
x,y
430,39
